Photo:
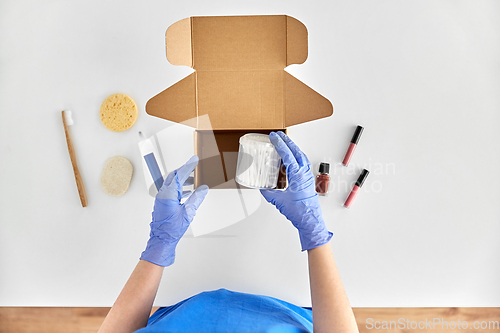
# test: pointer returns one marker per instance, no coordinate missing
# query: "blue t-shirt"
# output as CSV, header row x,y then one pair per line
x,y
228,311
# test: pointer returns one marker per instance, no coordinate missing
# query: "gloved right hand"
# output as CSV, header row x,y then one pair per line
x,y
299,202
171,218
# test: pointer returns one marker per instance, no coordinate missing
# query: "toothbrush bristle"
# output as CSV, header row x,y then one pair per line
x,y
69,118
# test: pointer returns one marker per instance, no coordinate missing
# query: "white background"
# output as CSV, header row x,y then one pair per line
x,y
422,77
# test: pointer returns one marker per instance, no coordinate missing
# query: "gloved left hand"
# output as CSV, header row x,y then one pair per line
x,y
171,218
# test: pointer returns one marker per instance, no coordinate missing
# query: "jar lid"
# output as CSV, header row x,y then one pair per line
x,y
256,138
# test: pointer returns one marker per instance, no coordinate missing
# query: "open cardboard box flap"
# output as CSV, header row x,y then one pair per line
x,y
239,79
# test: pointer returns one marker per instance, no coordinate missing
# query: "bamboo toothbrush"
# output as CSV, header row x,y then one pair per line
x,y
68,121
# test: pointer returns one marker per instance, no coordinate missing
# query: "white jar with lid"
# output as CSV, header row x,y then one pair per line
x,y
258,162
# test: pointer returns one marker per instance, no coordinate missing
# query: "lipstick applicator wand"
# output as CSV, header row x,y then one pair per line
x,y
352,145
355,189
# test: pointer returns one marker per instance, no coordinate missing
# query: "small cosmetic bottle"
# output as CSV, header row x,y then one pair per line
x,y
323,179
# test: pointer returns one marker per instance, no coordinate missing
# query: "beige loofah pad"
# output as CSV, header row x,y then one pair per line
x,y
116,176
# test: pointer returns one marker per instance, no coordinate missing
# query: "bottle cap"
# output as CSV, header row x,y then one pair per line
x,y
362,177
357,134
324,167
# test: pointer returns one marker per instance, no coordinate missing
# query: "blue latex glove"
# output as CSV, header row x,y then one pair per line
x,y
299,202
171,218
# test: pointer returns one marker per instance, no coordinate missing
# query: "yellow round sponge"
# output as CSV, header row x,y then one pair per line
x,y
118,112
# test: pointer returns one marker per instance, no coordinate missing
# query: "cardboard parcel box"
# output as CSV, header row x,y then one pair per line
x,y
239,83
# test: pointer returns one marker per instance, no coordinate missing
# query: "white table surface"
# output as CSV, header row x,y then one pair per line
x,y
421,77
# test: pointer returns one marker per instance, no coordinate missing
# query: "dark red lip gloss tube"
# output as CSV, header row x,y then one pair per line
x,y
355,189
352,146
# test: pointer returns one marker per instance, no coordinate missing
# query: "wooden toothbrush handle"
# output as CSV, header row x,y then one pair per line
x,y
72,156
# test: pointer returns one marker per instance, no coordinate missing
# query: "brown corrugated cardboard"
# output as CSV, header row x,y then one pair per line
x,y
239,82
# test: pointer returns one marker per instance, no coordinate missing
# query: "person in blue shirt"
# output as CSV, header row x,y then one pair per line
x,y
223,310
